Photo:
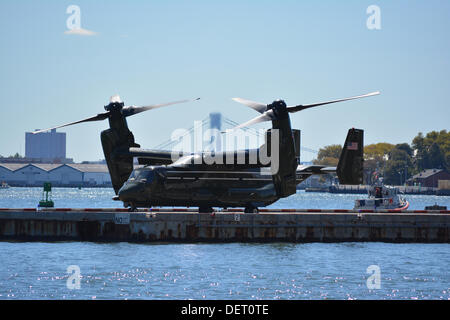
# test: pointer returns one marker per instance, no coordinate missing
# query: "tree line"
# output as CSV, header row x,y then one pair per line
x,y
397,163
16,156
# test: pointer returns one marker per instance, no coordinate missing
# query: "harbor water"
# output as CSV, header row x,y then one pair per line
x,y
39,270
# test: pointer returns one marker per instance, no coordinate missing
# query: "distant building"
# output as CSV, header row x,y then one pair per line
x,y
5,174
215,125
63,175
93,174
34,160
429,178
444,184
215,121
47,146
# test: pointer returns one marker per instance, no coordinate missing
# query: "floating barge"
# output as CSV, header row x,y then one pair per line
x,y
187,225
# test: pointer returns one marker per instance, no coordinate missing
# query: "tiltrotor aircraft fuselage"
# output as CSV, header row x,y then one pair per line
x,y
194,180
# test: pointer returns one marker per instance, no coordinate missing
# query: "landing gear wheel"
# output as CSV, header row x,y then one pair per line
x,y
251,209
205,210
132,208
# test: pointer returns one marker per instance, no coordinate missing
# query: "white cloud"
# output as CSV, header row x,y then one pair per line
x,y
81,32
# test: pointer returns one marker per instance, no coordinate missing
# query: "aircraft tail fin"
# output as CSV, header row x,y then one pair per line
x,y
350,166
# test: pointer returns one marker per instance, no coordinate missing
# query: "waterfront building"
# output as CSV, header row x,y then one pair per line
x,y
46,146
64,175
429,178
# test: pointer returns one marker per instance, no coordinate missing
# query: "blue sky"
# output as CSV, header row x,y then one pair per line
x,y
158,51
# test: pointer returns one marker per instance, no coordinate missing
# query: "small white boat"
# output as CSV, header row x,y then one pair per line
x,y
4,185
382,198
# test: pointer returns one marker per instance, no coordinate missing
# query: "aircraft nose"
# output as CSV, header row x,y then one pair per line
x,y
131,191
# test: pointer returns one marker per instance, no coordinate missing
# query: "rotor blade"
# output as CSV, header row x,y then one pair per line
x,y
100,116
132,110
258,106
303,107
266,116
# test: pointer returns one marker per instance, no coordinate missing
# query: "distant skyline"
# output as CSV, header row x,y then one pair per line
x,y
154,51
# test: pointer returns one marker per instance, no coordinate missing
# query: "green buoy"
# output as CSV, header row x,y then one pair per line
x,y
46,201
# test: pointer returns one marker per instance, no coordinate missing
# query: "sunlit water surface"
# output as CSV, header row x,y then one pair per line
x,y
219,271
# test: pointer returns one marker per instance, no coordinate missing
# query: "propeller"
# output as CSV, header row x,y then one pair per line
x,y
116,105
303,107
268,113
132,110
258,106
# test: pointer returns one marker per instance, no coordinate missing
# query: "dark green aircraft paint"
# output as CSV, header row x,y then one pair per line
x,y
187,182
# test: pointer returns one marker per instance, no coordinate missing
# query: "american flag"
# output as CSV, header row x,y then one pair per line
x,y
352,146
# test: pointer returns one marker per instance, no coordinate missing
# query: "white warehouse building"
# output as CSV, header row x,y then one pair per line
x,y
65,175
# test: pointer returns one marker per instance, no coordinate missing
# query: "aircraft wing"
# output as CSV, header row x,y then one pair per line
x,y
150,157
350,166
162,157
314,169
303,172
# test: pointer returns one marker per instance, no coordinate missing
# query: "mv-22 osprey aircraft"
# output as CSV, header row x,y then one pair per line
x,y
161,181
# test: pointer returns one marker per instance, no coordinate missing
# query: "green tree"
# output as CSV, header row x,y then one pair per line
x,y
395,172
399,166
421,157
436,158
375,157
378,151
329,155
447,160
431,150
405,147
16,156
399,155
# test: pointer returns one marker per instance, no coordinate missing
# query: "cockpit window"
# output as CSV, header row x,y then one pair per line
x,y
132,175
142,175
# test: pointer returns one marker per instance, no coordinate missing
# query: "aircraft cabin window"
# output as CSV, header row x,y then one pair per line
x,y
132,175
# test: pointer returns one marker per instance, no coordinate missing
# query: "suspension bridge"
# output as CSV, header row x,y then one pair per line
x,y
220,123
